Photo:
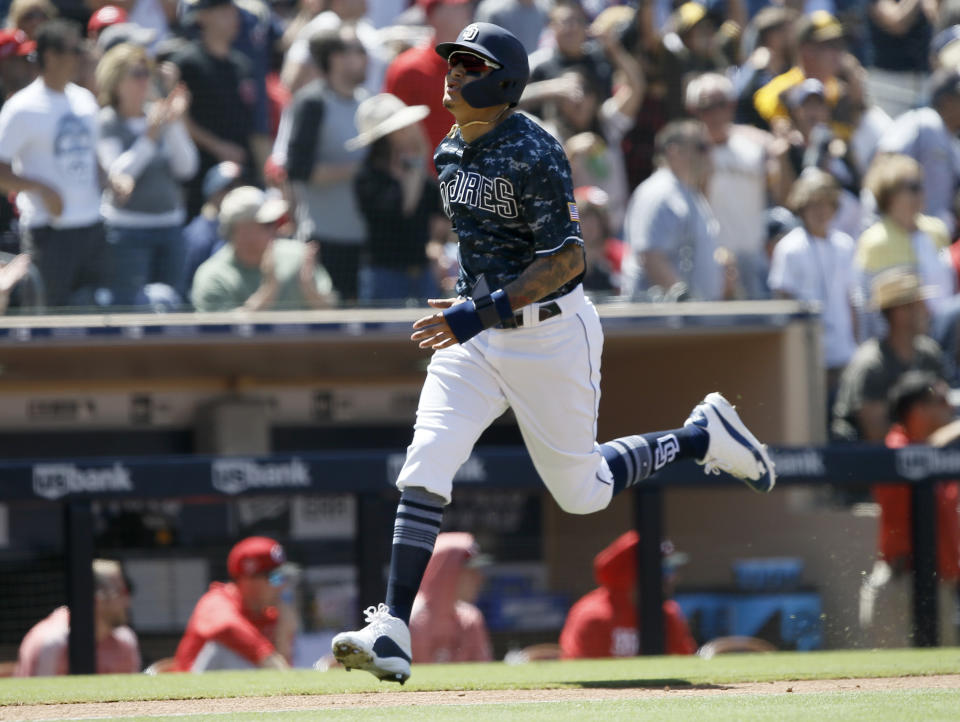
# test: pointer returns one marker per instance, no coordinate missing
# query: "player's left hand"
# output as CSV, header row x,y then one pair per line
x,y
432,331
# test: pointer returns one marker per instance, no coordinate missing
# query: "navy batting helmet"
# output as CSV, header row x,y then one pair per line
x,y
506,83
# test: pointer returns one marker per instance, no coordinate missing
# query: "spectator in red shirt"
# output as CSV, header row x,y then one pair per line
x,y
234,625
445,625
921,413
416,75
604,622
44,650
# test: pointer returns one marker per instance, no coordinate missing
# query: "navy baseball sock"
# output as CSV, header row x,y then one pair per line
x,y
414,533
633,458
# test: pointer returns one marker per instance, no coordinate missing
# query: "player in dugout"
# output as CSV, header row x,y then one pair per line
x,y
44,649
238,625
603,623
521,334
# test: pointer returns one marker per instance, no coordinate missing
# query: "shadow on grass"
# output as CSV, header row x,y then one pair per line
x,y
642,684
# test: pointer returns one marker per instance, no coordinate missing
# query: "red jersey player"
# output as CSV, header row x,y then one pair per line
x,y
234,625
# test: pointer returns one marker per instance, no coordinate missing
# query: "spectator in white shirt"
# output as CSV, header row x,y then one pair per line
x,y
48,137
813,263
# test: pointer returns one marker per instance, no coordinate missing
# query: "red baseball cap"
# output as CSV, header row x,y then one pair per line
x,y
429,5
255,555
15,43
105,17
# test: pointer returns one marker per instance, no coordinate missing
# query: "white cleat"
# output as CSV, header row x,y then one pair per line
x,y
382,648
732,447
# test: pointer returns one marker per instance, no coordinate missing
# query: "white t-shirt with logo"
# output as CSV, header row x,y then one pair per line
x,y
51,137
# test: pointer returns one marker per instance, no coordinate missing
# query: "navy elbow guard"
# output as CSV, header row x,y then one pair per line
x,y
469,318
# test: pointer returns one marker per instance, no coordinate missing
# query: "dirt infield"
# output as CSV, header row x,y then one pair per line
x,y
403,699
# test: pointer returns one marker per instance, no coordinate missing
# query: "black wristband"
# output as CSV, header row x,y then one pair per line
x,y
469,318
463,320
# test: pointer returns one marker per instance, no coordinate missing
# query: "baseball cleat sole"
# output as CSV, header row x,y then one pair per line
x,y
353,657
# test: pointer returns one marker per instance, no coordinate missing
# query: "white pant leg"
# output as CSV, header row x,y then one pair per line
x,y
460,398
550,374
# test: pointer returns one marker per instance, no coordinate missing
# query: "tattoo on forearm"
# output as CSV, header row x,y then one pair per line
x,y
545,275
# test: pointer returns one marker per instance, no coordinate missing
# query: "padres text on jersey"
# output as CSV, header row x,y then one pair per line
x,y
510,197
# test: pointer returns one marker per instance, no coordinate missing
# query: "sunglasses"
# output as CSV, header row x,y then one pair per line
x,y
275,578
472,63
140,73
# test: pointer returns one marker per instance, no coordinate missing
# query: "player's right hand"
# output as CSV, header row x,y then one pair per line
x,y
432,331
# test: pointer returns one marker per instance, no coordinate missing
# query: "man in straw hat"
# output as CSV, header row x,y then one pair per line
x,y
398,199
521,334
861,412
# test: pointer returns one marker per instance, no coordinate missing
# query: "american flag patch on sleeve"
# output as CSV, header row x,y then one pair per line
x,y
574,213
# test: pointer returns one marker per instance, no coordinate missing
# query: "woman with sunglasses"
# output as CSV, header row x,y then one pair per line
x,y
906,237
521,334
903,235
145,152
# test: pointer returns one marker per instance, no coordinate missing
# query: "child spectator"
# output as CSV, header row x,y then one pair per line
x,y
815,263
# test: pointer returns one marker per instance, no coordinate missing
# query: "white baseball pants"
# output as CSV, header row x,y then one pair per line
x,y
549,374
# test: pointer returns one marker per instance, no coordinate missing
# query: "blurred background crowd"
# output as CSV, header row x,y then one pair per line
x,y
213,155
700,135
216,155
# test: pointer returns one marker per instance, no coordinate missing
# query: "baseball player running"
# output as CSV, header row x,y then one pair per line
x,y
532,343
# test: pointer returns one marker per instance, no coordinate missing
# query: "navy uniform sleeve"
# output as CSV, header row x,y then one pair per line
x,y
548,206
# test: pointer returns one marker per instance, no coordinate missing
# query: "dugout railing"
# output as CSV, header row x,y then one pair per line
x,y
76,485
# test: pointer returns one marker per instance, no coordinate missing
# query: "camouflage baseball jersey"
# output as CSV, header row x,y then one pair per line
x,y
510,197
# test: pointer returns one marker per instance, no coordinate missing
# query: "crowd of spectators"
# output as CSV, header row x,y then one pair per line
x,y
719,151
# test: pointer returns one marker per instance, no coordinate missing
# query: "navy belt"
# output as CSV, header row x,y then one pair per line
x,y
547,310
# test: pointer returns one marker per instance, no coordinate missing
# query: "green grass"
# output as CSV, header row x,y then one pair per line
x,y
927,705
612,674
